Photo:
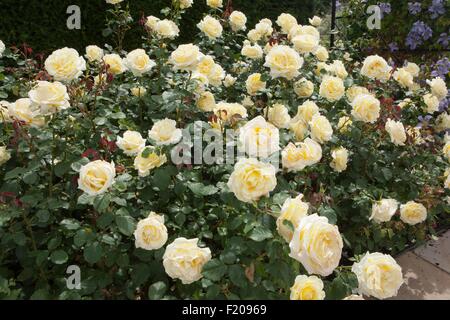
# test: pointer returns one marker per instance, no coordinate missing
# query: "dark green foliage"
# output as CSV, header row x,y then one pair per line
x,y
42,24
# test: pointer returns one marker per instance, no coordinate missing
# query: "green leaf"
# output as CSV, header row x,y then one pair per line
x,y
101,202
260,233
237,275
140,273
30,178
387,173
126,225
157,290
76,166
337,290
59,257
214,270
329,213
93,253
199,189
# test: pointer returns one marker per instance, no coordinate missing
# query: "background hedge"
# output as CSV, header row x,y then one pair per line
x,y
42,24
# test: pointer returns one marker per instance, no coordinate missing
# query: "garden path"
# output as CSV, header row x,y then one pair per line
x,y
427,271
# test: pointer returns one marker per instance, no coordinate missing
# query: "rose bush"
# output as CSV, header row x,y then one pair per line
x,y
106,165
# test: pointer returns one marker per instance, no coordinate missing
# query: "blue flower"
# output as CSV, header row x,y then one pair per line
x,y
419,32
414,7
443,40
393,46
436,8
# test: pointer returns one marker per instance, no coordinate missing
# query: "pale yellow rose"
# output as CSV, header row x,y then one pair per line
x,y
210,27
184,260
252,51
254,36
184,4
131,142
216,76
446,150
366,108
252,179
94,53
151,233
332,88
214,3
138,62
438,88
396,132
113,1
305,43
226,111
151,22
321,66
166,29
278,115
96,177
258,138
186,57
22,110
384,210
49,97
307,288
338,69
65,64
321,53
306,111
237,21
293,210
315,21
344,123
138,91
229,81
354,91
115,63
375,67
413,213
264,28
431,102
297,157
5,155
286,21
443,122
284,62
320,127
317,245
340,159
165,132
378,275
206,102
148,159
300,30
304,88
254,84
299,128
404,78
412,68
